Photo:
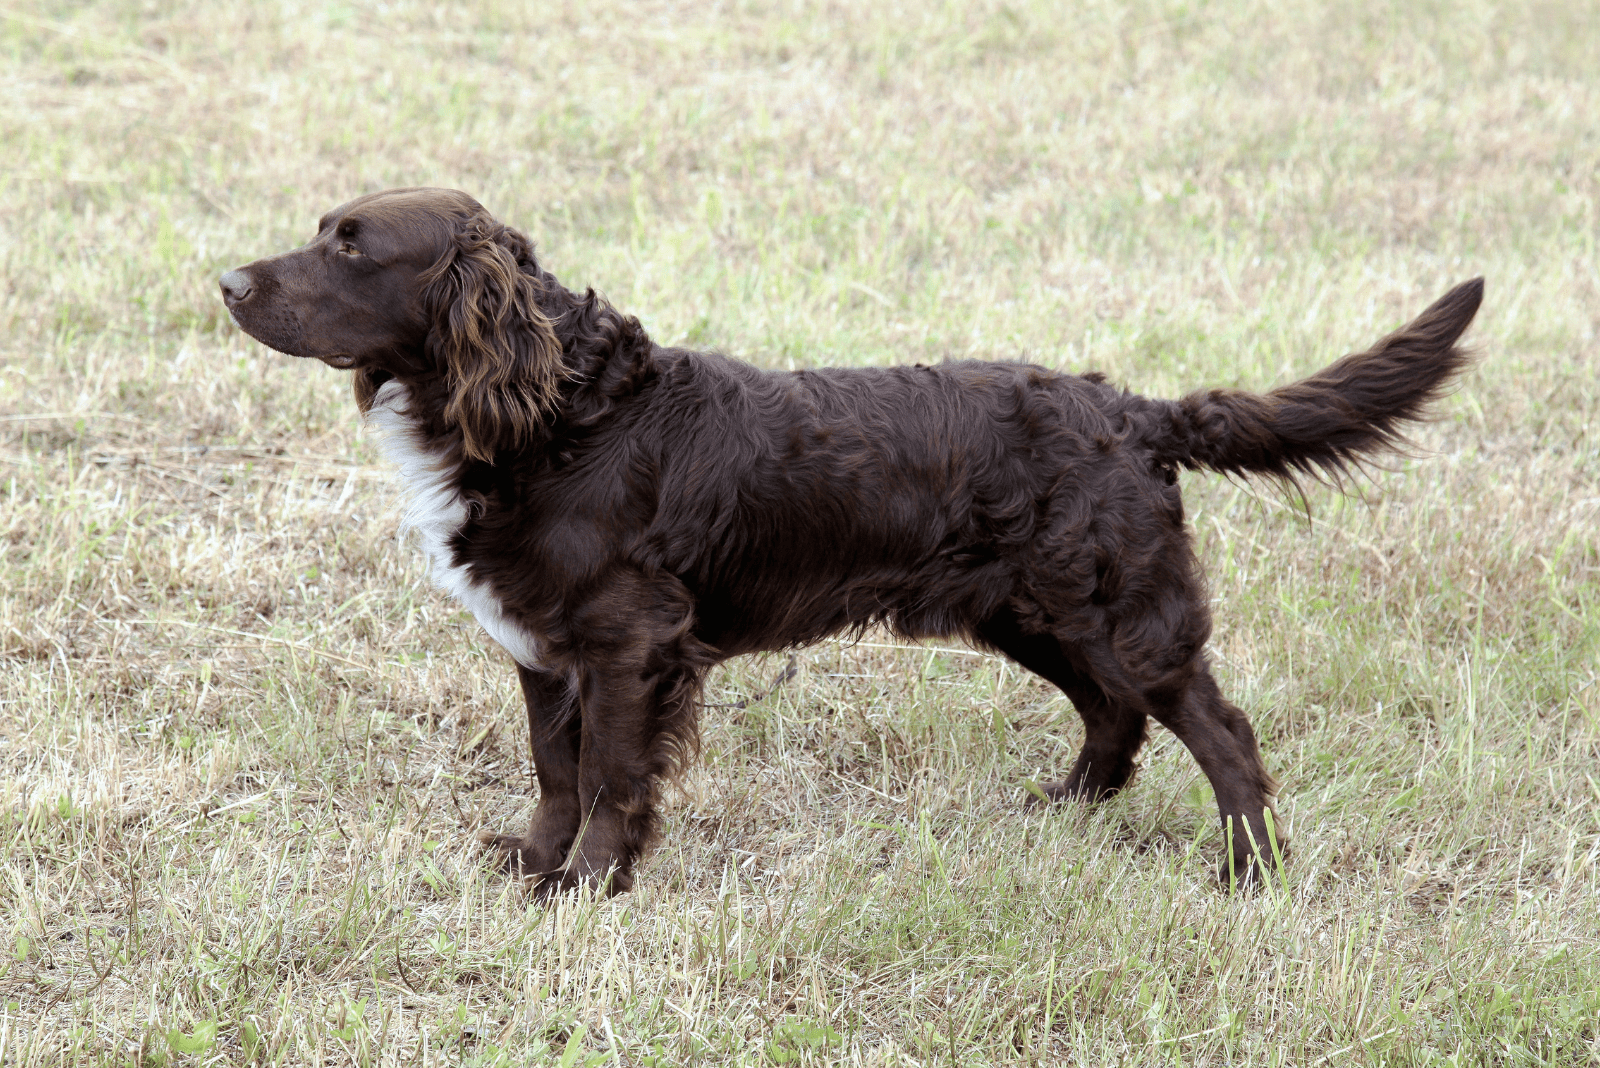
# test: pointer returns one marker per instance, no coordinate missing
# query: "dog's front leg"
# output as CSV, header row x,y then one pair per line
x,y
638,672
616,784
553,732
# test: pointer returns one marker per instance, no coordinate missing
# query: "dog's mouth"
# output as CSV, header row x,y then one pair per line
x,y
343,361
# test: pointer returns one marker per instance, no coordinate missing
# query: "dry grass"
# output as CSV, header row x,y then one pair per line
x,y
245,747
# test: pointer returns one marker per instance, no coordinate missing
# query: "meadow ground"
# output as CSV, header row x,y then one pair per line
x,y
244,747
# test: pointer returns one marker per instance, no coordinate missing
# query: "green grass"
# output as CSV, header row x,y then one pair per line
x,y
244,747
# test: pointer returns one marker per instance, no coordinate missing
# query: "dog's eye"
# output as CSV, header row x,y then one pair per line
x,y
347,249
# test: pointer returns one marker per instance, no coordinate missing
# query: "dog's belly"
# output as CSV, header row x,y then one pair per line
x,y
781,607
438,513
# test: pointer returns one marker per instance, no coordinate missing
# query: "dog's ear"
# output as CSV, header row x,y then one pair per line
x,y
497,348
365,387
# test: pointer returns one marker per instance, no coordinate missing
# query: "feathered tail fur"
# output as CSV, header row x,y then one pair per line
x,y
1322,425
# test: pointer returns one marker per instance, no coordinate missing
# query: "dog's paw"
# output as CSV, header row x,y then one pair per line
x,y
519,855
1043,793
1248,871
1051,793
555,884
1241,876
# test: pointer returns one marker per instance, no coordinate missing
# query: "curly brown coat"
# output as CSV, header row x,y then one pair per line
x,y
621,516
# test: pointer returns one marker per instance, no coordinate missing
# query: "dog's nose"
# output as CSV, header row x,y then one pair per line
x,y
235,287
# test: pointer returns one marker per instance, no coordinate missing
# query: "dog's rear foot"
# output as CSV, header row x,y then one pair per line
x,y
1071,789
1249,873
1257,858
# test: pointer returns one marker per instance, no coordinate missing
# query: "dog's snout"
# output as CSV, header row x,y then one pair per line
x,y
236,286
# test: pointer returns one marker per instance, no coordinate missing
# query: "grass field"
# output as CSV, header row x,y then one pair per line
x,y
244,747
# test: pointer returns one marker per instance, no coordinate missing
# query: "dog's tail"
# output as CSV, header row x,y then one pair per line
x,y
1322,425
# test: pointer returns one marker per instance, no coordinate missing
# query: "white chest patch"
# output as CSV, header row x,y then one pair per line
x,y
437,513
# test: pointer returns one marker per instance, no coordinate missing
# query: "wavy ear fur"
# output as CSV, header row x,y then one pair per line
x,y
499,351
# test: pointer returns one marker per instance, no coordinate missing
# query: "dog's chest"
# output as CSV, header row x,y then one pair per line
x,y
437,513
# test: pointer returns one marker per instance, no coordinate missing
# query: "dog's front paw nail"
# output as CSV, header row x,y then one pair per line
x,y
512,854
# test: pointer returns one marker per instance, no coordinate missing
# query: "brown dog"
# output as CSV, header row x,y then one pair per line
x,y
621,516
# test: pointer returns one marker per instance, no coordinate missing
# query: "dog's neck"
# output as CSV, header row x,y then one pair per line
x,y
609,357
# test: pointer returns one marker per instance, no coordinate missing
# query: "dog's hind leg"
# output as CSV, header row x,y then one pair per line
x,y
554,730
1113,732
1219,736
1115,694
1158,664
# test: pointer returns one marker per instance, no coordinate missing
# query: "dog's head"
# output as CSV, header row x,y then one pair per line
x,y
415,284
